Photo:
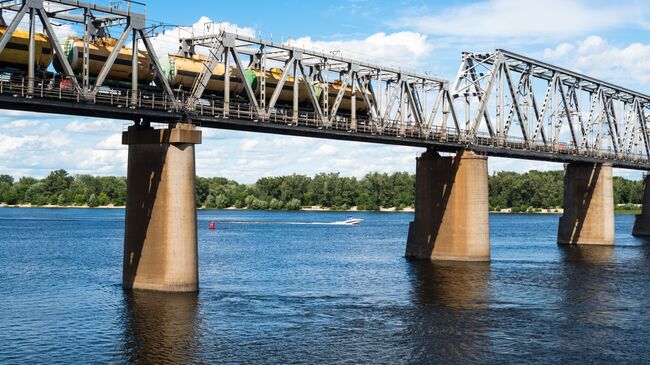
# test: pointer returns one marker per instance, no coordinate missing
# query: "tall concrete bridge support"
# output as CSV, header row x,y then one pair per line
x,y
642,222
588,217
451,209
160,241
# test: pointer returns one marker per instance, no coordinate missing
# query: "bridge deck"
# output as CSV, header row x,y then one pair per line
x,y
155,107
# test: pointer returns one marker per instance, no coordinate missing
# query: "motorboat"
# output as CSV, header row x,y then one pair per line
x,y
352,220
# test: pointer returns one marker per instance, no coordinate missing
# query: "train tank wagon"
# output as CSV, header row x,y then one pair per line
x,y
99,51
183,71
16,53
346,103
274,75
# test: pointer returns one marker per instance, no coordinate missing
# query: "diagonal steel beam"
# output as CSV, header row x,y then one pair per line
x,y
644,129
280,85
483,96
161,80
515,101
542,115
611,128
13,26
576,104
434,111
201,82
372,106
311,93
249,91
390,102
591,119
415,107
531,95
449,109
568,113
111,59
58,50
339,97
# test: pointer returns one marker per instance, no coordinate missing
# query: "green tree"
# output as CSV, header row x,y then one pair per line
x,y
61,201
92,201
209,202
293,204
275,204
102,199
221,201
36,194
57,181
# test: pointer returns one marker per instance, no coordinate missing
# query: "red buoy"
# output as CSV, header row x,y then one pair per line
x,y
211,225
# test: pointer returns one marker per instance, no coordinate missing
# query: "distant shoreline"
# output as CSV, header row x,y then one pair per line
x,y
540,211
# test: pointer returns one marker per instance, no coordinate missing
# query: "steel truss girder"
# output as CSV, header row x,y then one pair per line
x,y
96,15
612,115
357,83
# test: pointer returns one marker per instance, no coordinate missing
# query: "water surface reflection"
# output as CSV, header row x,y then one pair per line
x,y
448,321
160,327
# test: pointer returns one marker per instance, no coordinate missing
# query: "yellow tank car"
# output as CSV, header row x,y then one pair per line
x,y
346,102
182,72
274,75
99,50
16,53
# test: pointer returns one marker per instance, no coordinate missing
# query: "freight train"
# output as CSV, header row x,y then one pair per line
x,y
181,72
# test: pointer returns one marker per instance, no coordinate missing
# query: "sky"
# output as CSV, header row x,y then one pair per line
x,y
604,39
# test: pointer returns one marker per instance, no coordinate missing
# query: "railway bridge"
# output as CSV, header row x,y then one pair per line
x,y
500,104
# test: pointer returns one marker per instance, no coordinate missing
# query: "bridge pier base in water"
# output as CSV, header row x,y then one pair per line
x,y
642,222
588,217
451,209
160,239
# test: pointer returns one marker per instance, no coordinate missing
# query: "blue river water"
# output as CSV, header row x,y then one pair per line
x,y
274,291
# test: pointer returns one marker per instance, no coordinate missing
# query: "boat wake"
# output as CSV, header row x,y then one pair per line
x,y
339,223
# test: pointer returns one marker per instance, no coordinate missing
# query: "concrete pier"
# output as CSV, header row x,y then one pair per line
x,y
160,242
588,217
451,209
642,222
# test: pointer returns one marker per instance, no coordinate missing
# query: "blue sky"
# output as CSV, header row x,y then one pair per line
x,y
608,40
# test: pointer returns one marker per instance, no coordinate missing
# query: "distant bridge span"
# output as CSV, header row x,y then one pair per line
x,y
500,104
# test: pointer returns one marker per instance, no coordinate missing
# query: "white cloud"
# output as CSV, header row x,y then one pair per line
x,y
114,142
404,48
62,31
526,18
326,149
99,126
100,162
167,42
21,124
11,143
627,65
249,144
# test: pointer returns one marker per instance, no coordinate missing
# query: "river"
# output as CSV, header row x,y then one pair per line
x,y
276,288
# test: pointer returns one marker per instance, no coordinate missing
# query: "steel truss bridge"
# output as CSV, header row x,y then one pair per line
x,y
500,104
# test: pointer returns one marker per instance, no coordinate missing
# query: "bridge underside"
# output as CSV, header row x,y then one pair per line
x,y
447,143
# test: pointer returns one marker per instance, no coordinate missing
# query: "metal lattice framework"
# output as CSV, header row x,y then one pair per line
x,y
95,19
395,99
513,100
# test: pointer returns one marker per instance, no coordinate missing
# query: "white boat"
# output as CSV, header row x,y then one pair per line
x,y
351,220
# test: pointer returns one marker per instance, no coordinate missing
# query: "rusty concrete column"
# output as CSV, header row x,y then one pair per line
x,y
160,239
642,222
588,217
451,209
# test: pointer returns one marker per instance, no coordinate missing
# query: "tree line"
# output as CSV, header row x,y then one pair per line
x,y
520,192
